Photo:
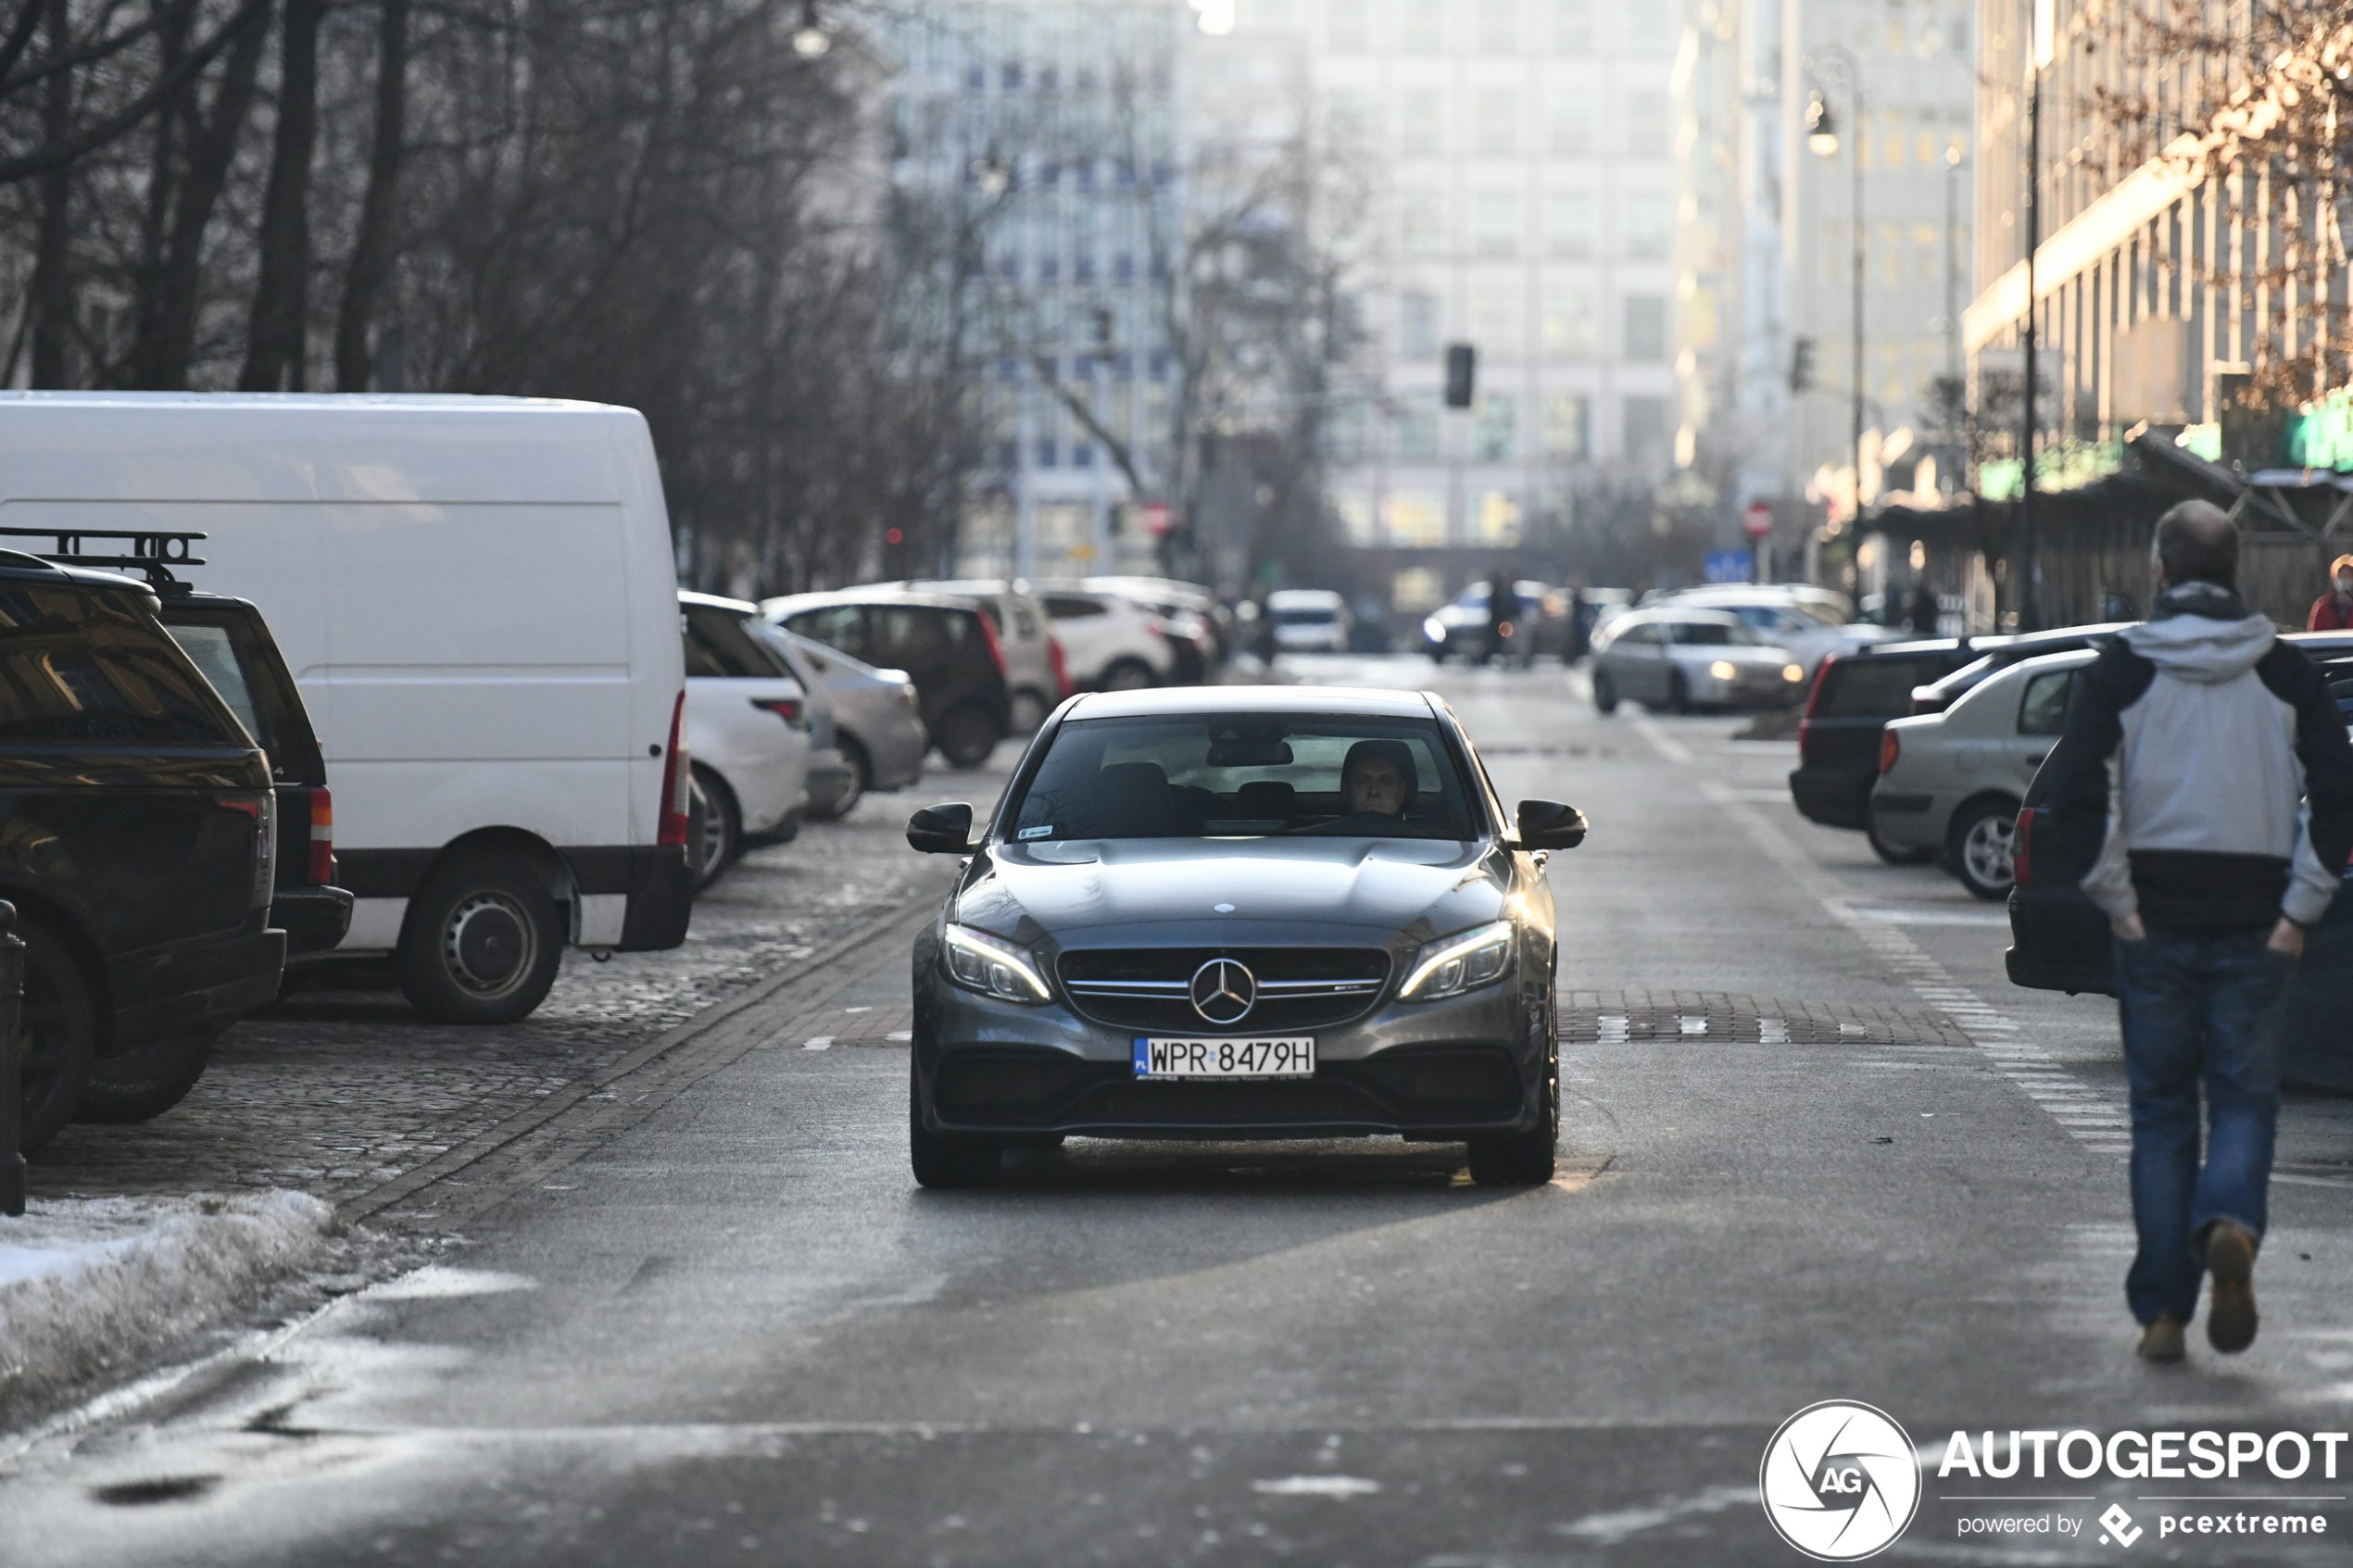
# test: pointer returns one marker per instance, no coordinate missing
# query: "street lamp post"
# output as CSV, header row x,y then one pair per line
x,y
1834,67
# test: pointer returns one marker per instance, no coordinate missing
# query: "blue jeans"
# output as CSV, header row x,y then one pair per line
x,y
2198,1008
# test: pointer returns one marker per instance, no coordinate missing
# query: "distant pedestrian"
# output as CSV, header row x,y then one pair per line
x,y
1924,611
1502,614
2332,611
2211,874
1581,622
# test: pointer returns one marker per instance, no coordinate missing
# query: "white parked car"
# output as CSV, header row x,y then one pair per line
x,y
1110,643
1950,783
1679,658
1308,621
1809,625
748,732
478,599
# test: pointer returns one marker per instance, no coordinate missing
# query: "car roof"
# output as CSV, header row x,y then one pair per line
x,y
1306,596
1210,700
1664,612
713,601
31,568
789,604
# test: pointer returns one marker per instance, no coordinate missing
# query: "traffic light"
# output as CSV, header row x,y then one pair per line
x,y
1801,365
1462,373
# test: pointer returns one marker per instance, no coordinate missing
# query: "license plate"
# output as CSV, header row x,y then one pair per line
x,y
1292,1057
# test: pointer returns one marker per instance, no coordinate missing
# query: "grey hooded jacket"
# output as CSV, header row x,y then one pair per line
x,y
2191,749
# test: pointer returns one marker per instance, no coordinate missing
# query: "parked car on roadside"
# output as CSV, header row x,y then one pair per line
x,y
877,719
833,788
1170,597
1308,621
747,733
1850,699
477,597
944,643
1950,783
138,836
1463,627
1808,626
1679,658
1037,676
1110,643
1998,653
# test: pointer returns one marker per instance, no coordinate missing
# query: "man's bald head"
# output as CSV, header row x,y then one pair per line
x,y
2196,544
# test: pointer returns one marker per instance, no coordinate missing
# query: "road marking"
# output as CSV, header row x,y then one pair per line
x,y
2088,1115
1340,1488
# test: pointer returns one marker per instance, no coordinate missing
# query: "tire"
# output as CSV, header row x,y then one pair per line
x,y
141,1083
481,942
1604,693
715,827
1679,693
1525,1160
1029,711
1979,847
57,1035
1894,854
967,735
1129,675
858,776
943,1159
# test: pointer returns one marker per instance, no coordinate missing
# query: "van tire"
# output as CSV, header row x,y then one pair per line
x,y
968,733
57,1035
481,942
715,827
143,1081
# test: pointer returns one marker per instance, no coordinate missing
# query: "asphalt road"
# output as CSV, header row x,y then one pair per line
x,y
735,1331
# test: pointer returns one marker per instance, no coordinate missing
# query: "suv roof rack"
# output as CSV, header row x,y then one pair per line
x,y
154,552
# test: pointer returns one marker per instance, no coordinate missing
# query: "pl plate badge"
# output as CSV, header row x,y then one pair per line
x,y
1840,1481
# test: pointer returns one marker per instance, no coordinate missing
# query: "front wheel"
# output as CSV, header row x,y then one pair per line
x,y
1605,691
481,943
1984,843
967,735
1887,850
57,1036
944,1160
1526,1159
143,1081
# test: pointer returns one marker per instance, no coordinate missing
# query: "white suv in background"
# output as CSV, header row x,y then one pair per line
x,y
746,735
1308,621
1110,643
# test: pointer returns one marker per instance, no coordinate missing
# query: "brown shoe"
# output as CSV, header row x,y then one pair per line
x,y
2230,1259
2161,1340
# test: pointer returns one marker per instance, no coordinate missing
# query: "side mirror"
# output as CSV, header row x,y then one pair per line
x,y
1548,824
941,830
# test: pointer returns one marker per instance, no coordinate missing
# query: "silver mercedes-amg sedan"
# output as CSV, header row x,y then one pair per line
x,y
1248,912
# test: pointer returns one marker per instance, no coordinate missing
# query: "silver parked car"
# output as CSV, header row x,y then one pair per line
x,y
1950,783
1684,658
877,726
833,787
1036,676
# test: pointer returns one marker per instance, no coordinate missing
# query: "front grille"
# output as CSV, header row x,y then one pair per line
x,y
1298,988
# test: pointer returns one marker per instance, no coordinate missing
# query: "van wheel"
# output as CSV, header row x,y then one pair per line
x,y
143,1081
481,944
1030,709
57,1035
1129,675
943,1159
1984,840
715,827
1605,691
967,735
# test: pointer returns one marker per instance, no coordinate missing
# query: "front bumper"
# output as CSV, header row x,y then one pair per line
x,y
1471,1066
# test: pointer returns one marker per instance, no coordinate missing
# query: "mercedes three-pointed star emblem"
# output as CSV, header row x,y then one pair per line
x,y
1223,991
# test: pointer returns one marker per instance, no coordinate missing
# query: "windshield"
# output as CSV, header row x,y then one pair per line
x,y
1306,615
1712,633
1246,775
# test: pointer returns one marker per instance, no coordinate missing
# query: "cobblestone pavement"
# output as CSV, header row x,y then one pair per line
x,y
336,1093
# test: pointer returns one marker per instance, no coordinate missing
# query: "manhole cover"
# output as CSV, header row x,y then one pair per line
x,y
1700,1017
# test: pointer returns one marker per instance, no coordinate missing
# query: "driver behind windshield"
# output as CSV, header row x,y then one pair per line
x,y
1376,780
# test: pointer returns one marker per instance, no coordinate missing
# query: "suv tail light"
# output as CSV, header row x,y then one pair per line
x,y
262,810
996,647
785,707
2022,848
677,780
1888,749
1059,665
322,836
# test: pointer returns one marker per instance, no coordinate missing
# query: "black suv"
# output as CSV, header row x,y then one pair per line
x,y
945,643
137,834
1853,697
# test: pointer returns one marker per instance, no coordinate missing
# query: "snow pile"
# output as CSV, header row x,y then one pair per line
x,y
94,1285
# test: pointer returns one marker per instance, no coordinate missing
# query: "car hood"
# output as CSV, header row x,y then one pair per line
x,y
1090,893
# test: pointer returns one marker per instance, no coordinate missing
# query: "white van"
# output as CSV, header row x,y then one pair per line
x,y
477,597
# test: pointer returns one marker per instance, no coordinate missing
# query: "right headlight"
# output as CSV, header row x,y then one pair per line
x,y
1459,963
984,963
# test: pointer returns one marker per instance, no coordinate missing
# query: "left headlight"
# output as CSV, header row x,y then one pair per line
x,y
984,963
1723,670
1459,963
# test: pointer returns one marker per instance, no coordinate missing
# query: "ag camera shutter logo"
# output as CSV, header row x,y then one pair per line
x,y
1840,1481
